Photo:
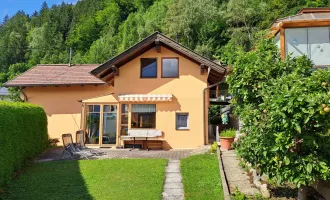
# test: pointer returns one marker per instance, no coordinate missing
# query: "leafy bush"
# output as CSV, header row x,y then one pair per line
x,y
284,106
23,134
228,133
215,114
214,147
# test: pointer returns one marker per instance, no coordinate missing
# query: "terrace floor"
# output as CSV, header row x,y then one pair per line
x,y
55,154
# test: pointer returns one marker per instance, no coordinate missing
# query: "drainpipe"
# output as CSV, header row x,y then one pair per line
x,y
208,87
21,91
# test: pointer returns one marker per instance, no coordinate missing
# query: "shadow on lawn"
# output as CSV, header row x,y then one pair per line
x,y
49,180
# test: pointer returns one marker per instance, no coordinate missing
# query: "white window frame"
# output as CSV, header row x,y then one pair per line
x,y
176,121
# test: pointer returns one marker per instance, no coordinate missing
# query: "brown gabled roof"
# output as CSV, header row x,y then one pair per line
x,y
106,73
56,74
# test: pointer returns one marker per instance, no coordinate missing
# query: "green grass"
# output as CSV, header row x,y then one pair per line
x,y
90,179
201,178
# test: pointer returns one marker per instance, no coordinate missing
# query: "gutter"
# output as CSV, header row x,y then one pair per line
x,y
208,87
21,91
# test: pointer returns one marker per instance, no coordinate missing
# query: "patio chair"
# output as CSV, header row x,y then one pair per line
x,y
80,144
70,150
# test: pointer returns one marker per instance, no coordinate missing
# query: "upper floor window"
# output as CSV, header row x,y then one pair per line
x,y
148,67
313,42
170,67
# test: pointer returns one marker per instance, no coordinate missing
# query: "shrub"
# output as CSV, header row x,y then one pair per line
x,y
23,134
285,109
228,133
214,147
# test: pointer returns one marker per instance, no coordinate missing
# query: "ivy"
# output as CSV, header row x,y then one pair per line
x,y
284,106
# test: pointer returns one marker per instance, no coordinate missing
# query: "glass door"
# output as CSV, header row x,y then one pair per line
x,y
109,133
93,124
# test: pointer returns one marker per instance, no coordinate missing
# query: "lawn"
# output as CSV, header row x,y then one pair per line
x,y
90,179
201,178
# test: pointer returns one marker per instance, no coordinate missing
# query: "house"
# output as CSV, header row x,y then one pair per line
x,y
4,94
155,85
307,33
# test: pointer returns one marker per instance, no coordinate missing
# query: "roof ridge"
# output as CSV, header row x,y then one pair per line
x,y
66,65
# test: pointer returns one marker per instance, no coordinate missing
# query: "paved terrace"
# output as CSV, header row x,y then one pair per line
x,y
55,154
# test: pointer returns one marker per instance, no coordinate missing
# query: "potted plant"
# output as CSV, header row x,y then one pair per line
x,y
227,138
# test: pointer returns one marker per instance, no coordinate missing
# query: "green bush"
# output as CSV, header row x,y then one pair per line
x,y
285,107
228,133
23,134
214,147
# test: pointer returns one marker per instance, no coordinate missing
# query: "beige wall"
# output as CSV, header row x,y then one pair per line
x,y
187,91
64,111
62,107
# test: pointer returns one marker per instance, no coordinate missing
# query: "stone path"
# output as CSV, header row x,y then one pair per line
x,y
173,188
236,176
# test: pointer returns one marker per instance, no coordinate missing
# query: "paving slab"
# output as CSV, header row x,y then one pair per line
x,y
173,188
236,176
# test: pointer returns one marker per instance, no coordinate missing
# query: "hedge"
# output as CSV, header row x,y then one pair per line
x,y
23,134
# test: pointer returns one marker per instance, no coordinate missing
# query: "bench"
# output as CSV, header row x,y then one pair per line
x,y
144,135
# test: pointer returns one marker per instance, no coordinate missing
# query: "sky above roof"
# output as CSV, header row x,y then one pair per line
x,y
10,7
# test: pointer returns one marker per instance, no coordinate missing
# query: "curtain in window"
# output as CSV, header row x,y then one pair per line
x,y
143,108
182,120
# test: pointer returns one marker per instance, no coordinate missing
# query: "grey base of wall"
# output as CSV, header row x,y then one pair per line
x,y
225,186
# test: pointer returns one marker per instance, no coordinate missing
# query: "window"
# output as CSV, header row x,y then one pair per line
x,y
143,116
312,41
124,119
170,67
182,121
148,67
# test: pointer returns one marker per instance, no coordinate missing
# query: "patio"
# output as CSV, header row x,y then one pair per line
x,y
55,154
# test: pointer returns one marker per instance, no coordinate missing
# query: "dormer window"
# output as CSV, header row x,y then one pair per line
x,y
148,67
170,67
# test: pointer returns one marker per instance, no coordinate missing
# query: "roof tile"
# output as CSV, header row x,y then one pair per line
x,y
56,75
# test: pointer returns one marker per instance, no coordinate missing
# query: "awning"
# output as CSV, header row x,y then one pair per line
x,y
145,97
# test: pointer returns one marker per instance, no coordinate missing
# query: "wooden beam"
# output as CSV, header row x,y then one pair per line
x,y
157,43
202,69
282,42
305,23
108,77
104,72
115,70
217,91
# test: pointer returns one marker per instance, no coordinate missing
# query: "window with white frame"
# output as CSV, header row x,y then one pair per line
x,y
182,121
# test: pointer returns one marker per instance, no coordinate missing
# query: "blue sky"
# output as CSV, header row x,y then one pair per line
x,y
10,7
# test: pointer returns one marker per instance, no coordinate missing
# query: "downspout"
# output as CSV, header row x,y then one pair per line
x,y
21,91
208,87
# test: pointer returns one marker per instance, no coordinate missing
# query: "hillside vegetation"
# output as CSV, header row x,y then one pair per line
x,y
100,29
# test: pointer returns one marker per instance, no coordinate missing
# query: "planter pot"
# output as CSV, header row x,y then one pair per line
x,y
92,140
225,142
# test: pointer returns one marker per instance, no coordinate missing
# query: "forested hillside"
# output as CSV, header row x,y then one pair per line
x,y
99,29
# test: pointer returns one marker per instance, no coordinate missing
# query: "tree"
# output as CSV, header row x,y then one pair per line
x,y
15,70
284,106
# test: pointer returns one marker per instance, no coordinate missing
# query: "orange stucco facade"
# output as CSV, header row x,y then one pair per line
x,y
65,113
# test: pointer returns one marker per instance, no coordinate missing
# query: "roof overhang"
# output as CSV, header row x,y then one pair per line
x,y
106,71
300,24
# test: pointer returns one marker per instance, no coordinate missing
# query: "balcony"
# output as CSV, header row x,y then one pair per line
x,y
219,97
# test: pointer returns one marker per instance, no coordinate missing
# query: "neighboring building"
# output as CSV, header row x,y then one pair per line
x,y
4,94
307,33
156,85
